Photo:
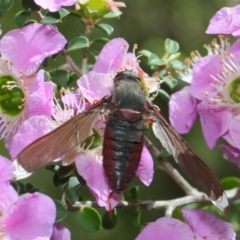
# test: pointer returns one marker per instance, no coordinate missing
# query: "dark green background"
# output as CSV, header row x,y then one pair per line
x,y
147,23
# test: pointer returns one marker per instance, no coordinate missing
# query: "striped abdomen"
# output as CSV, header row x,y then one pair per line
x,y
122,148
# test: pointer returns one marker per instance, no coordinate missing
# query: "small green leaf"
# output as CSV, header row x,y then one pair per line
x,y
109,220
21,17
77,43
153,59
171,82
51,18
108,29
230,182
61,210
5,5
112,15
89,219
59,182
65,171
164,95
171,46
63,12
132,193
72,195
73,182
29,187
59,76
30,5
176,64
100,40
47,76
30,21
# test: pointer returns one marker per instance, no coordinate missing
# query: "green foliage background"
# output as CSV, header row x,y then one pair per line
x,y
147,23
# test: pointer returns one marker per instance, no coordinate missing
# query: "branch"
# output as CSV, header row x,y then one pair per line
x,y
169,205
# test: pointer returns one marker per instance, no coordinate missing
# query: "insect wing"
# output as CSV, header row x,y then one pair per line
x,y
197,170
60,141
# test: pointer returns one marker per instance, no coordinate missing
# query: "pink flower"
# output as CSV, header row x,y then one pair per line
x,y
30,216
225,21
23,91
54,5
60,233
199,225
213,94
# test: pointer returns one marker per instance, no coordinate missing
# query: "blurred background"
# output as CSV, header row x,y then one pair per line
x,y
147,23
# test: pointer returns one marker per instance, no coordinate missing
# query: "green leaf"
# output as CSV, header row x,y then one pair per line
x,y
59,182
94,54
132,193
89,219
164,95
176,64
109,220
171,82
29,187
5,5
65,171
30,21
153,59
30,5
63,12
171,46
61,210
59,76
77,43
230,182
72,195
100,40
21,17
108,29
51,18
112,15
73,182
47,76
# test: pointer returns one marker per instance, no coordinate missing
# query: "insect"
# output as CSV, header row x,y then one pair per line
x,y
127,110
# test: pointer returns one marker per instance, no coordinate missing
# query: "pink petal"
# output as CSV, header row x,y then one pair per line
x,y
235,49
40,96
90,167
234,131
27,47
166,228
94,86
8,197
32,216
232,154
182,110
6,169
54,5
111,57
214,120
145,168
31,129
60,233
202,81
207,226
225,21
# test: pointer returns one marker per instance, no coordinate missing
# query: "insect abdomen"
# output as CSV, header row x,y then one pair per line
x,y
122,148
